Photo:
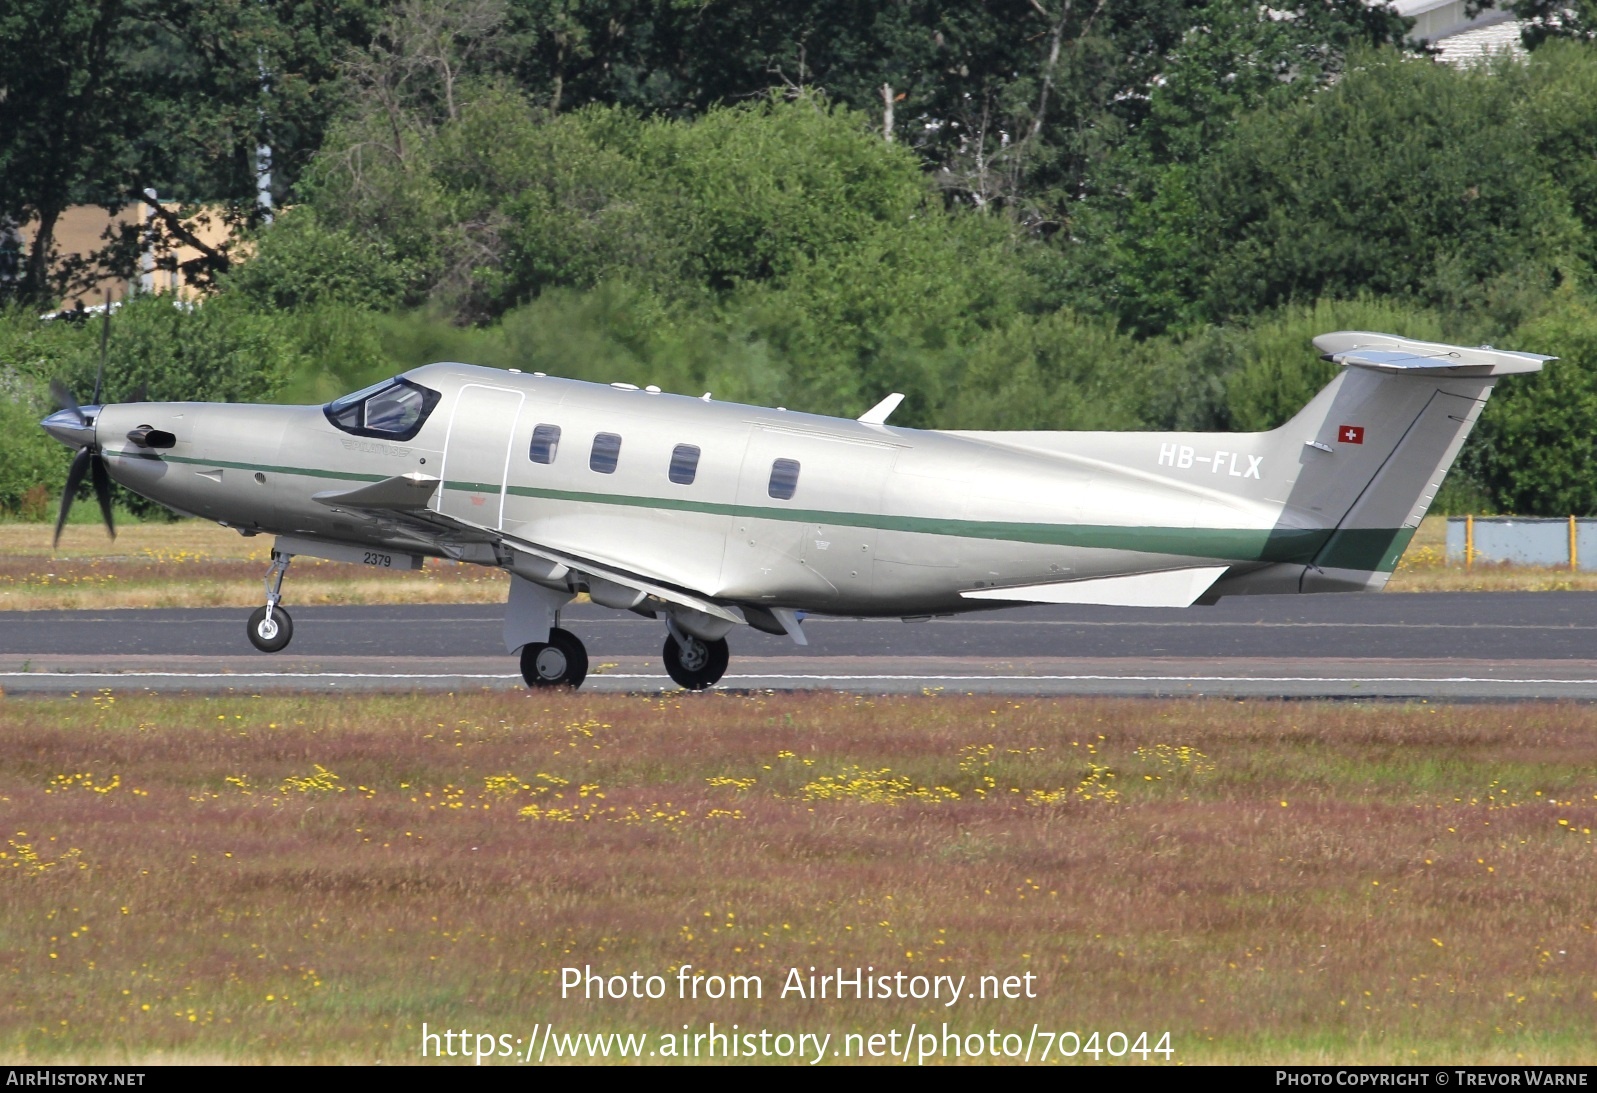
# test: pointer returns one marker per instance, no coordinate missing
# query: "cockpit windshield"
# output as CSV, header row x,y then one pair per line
x,y
394,409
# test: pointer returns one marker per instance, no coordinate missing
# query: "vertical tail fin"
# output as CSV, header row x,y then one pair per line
x,y
1374,446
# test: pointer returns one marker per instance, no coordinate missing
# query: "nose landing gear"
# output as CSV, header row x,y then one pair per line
x,y
270,628
562,661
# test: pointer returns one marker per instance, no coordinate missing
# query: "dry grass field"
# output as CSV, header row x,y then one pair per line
x,y
306,878
194,563
1424,568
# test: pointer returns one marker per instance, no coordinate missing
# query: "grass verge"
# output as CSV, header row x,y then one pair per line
x,y
313,878
195,563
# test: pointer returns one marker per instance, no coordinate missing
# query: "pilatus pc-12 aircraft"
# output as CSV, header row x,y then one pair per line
x,y
710,515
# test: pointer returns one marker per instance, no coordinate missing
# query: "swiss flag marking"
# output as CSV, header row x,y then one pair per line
x,y
1351,434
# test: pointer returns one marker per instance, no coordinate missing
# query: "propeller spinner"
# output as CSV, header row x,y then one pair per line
x,y
73,425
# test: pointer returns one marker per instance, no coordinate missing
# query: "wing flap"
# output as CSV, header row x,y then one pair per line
x,y
668,593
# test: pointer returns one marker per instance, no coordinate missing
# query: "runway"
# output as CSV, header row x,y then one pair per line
x,y
1438,646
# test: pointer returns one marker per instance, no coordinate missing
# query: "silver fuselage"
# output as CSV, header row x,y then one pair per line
x,y
883,520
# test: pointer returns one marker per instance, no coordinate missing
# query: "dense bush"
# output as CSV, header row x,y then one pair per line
x,y
781,252
1411,179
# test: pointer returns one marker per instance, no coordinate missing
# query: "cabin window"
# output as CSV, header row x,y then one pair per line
x,y
684,464
784,479
393,410
545,442
606,452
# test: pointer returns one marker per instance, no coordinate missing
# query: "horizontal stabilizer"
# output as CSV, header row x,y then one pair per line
x,y
1171,588
1405,356
401,493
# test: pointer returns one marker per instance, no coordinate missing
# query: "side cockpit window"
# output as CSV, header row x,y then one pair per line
x,y
395,409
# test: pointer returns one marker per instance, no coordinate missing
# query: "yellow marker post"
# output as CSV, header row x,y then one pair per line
x,y
1574,554
1469,541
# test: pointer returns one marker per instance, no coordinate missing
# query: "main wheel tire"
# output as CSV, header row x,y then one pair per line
x,y
559,662
271,635
576,655
699,665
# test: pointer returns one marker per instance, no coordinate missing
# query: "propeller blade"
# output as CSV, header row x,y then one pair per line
x,y
63,398
102,490
105,336
75,473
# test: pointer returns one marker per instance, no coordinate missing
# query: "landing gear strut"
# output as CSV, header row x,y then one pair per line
x,y
270,628
559,662
693,662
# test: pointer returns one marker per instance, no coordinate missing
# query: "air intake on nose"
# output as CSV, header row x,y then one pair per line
x,y
147,436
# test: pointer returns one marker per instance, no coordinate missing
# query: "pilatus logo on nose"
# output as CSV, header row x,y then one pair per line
x,y
1351,434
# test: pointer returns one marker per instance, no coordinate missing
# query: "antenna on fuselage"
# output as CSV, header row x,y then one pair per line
x,y
878,414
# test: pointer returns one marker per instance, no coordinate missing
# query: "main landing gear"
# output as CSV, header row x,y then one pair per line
x,y
562,661
270,628
559,662
694,663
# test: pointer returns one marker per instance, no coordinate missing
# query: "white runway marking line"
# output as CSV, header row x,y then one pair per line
x,y
1246,624
263,675
808,678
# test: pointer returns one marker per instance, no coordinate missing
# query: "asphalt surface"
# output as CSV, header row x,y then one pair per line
x,y
1442,646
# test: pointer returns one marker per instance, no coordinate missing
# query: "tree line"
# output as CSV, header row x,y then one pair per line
x,y
1025,216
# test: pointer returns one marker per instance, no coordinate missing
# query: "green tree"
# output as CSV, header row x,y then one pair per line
x,y
67,109
1404,178
1546,20
103,101
1535,455
1012,103
1057,371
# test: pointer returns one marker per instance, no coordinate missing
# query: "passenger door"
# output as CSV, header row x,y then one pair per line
x,y
477,452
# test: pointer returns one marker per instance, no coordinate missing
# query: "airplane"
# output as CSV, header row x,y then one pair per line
x,y
709,515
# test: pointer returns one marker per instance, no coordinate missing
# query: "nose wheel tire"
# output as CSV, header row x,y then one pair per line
x,y
559,662
697,664
271,635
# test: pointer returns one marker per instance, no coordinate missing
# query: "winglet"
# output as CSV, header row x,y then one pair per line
x,y
878,414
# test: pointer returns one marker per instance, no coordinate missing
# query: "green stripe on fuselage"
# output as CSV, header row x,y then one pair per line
x,y
306,472
1357,548
1238,544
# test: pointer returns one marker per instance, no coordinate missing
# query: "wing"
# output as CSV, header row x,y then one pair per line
x,y
401,506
